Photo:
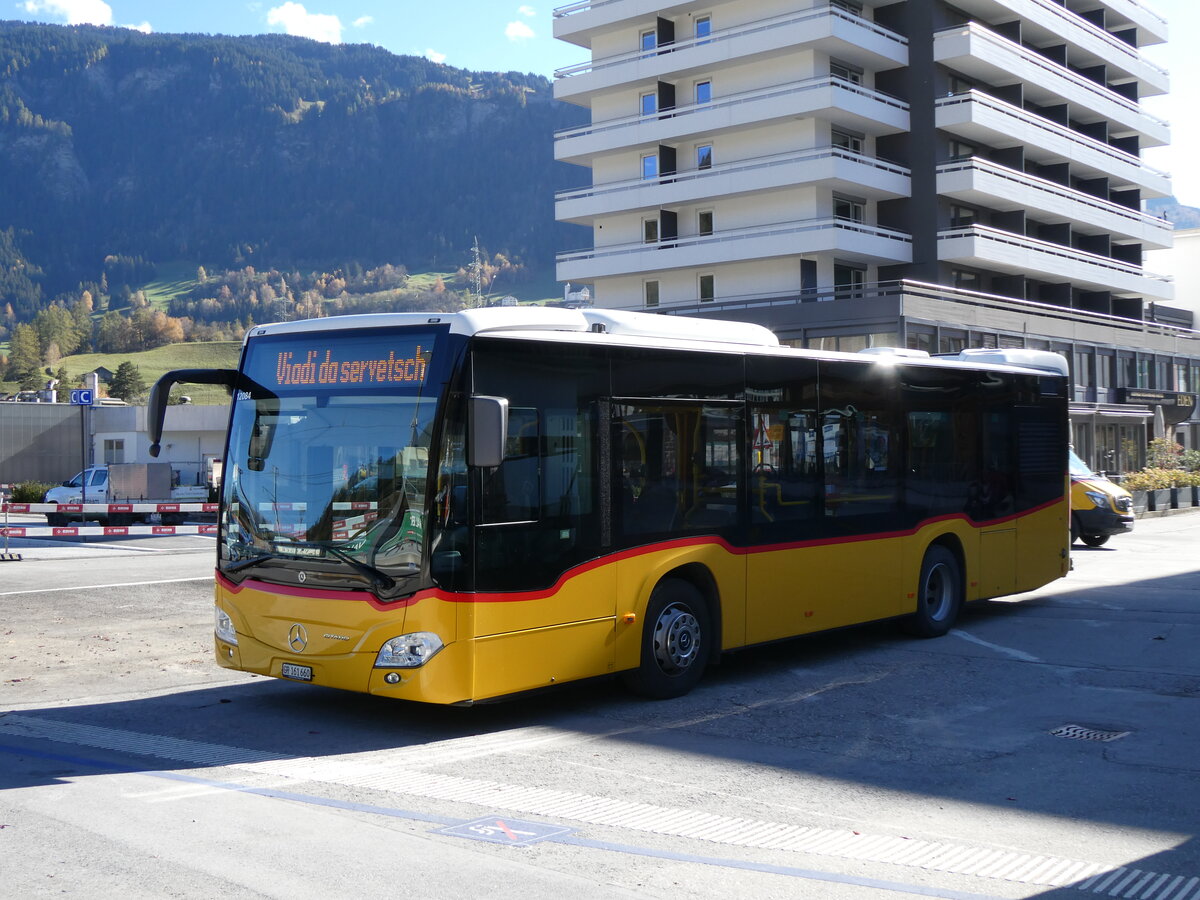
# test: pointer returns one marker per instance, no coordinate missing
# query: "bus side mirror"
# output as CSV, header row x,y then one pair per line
x,y
488,426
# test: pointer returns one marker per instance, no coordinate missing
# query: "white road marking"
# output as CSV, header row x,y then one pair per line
x,y
1007,651
94,587
397,775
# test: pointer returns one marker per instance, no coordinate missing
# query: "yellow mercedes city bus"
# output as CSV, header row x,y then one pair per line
x,y
453,508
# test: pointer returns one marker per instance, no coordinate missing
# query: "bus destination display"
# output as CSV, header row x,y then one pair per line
x,y
334,362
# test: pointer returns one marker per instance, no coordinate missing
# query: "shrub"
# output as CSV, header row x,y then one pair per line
x,y
1164,453
1158,479
29,492
1190,460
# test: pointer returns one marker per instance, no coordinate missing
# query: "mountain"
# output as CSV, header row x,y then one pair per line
x,y
268,150
1176,213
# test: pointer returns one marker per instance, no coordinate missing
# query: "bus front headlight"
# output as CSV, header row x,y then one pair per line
x,y
224,628
409,651
1101,500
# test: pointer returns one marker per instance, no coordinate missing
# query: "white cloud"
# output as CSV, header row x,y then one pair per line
x,y
527,11
433,56
363,21
74,12
518,31
144,28
298,21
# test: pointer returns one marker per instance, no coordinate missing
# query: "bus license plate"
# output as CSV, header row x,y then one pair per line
x,y
300,673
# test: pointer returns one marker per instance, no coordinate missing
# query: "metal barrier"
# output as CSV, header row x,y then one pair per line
x,y
49,530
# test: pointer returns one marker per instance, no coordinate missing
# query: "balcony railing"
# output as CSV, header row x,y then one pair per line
x,y
1072,19
741,167
1098,92
728,34
1066,254
817,83
1133,216
1032,120
804,226
1134,330
581,6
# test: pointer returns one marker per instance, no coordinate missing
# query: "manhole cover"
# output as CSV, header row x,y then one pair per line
x,y
1082,733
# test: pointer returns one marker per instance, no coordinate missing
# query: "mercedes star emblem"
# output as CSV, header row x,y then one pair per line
x,y
298,637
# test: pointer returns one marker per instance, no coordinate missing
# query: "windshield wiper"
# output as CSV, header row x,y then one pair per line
x,y
378,577
252,561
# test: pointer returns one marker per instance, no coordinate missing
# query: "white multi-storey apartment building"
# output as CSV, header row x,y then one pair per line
x,y
859,172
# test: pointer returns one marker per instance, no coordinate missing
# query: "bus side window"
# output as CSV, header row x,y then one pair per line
x,y
512,493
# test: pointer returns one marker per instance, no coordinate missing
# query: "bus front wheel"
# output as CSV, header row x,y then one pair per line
x,y
939,594
675,640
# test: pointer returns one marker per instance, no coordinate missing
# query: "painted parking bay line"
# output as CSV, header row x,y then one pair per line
x,y
937,856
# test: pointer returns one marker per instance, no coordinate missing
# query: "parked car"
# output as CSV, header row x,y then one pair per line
x,y
1099,508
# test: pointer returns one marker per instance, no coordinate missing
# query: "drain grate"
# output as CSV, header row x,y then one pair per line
x,y
1082,733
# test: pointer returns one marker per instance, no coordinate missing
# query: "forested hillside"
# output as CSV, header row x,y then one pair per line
x,y
120,151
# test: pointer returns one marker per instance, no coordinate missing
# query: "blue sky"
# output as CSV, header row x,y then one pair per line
x,y
507,35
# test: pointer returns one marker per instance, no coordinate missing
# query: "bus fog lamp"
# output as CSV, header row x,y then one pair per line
x,y
409,651
224,628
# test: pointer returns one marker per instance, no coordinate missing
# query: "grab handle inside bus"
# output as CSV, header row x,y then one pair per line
x,y
489,431
161,392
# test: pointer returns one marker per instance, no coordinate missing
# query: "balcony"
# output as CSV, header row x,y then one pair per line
x,y
835,167
1129,14
981,53
982,183
839,33
826,96
1045,22
850,240
979,117
1002,251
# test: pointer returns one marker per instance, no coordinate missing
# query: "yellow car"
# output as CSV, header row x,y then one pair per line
x,y
1099,508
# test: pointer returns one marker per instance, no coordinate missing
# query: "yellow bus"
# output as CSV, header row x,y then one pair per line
x,y
453,508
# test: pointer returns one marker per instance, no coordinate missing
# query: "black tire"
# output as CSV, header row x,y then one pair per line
x,y
939,594
1095,540
675,642
56,520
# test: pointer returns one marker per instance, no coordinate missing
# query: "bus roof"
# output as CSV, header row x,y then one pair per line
x,y
651,329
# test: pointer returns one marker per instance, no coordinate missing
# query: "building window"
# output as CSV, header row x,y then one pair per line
x,y
966,280
703,28
650,166
114,451
1143,372
1181,377
959,85
704,156
848,280
847,72
704,222
961,150
919,337
849,209
649,40
846,141
649,103
707,288
962,216
1162,369
650,231
951,341
703,92
1084,363
650,293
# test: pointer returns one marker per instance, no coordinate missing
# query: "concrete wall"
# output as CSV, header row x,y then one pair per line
x,y
39,442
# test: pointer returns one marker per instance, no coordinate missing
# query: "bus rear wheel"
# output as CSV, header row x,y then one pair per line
x,y
939,594
675,640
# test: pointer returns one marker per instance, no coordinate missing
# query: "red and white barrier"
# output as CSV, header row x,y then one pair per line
x,y
112,530
107,507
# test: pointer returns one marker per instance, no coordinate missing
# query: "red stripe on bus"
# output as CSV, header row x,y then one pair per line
x,y
600,561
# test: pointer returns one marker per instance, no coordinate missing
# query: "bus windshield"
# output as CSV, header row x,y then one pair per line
x,y
1078,468
328,457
